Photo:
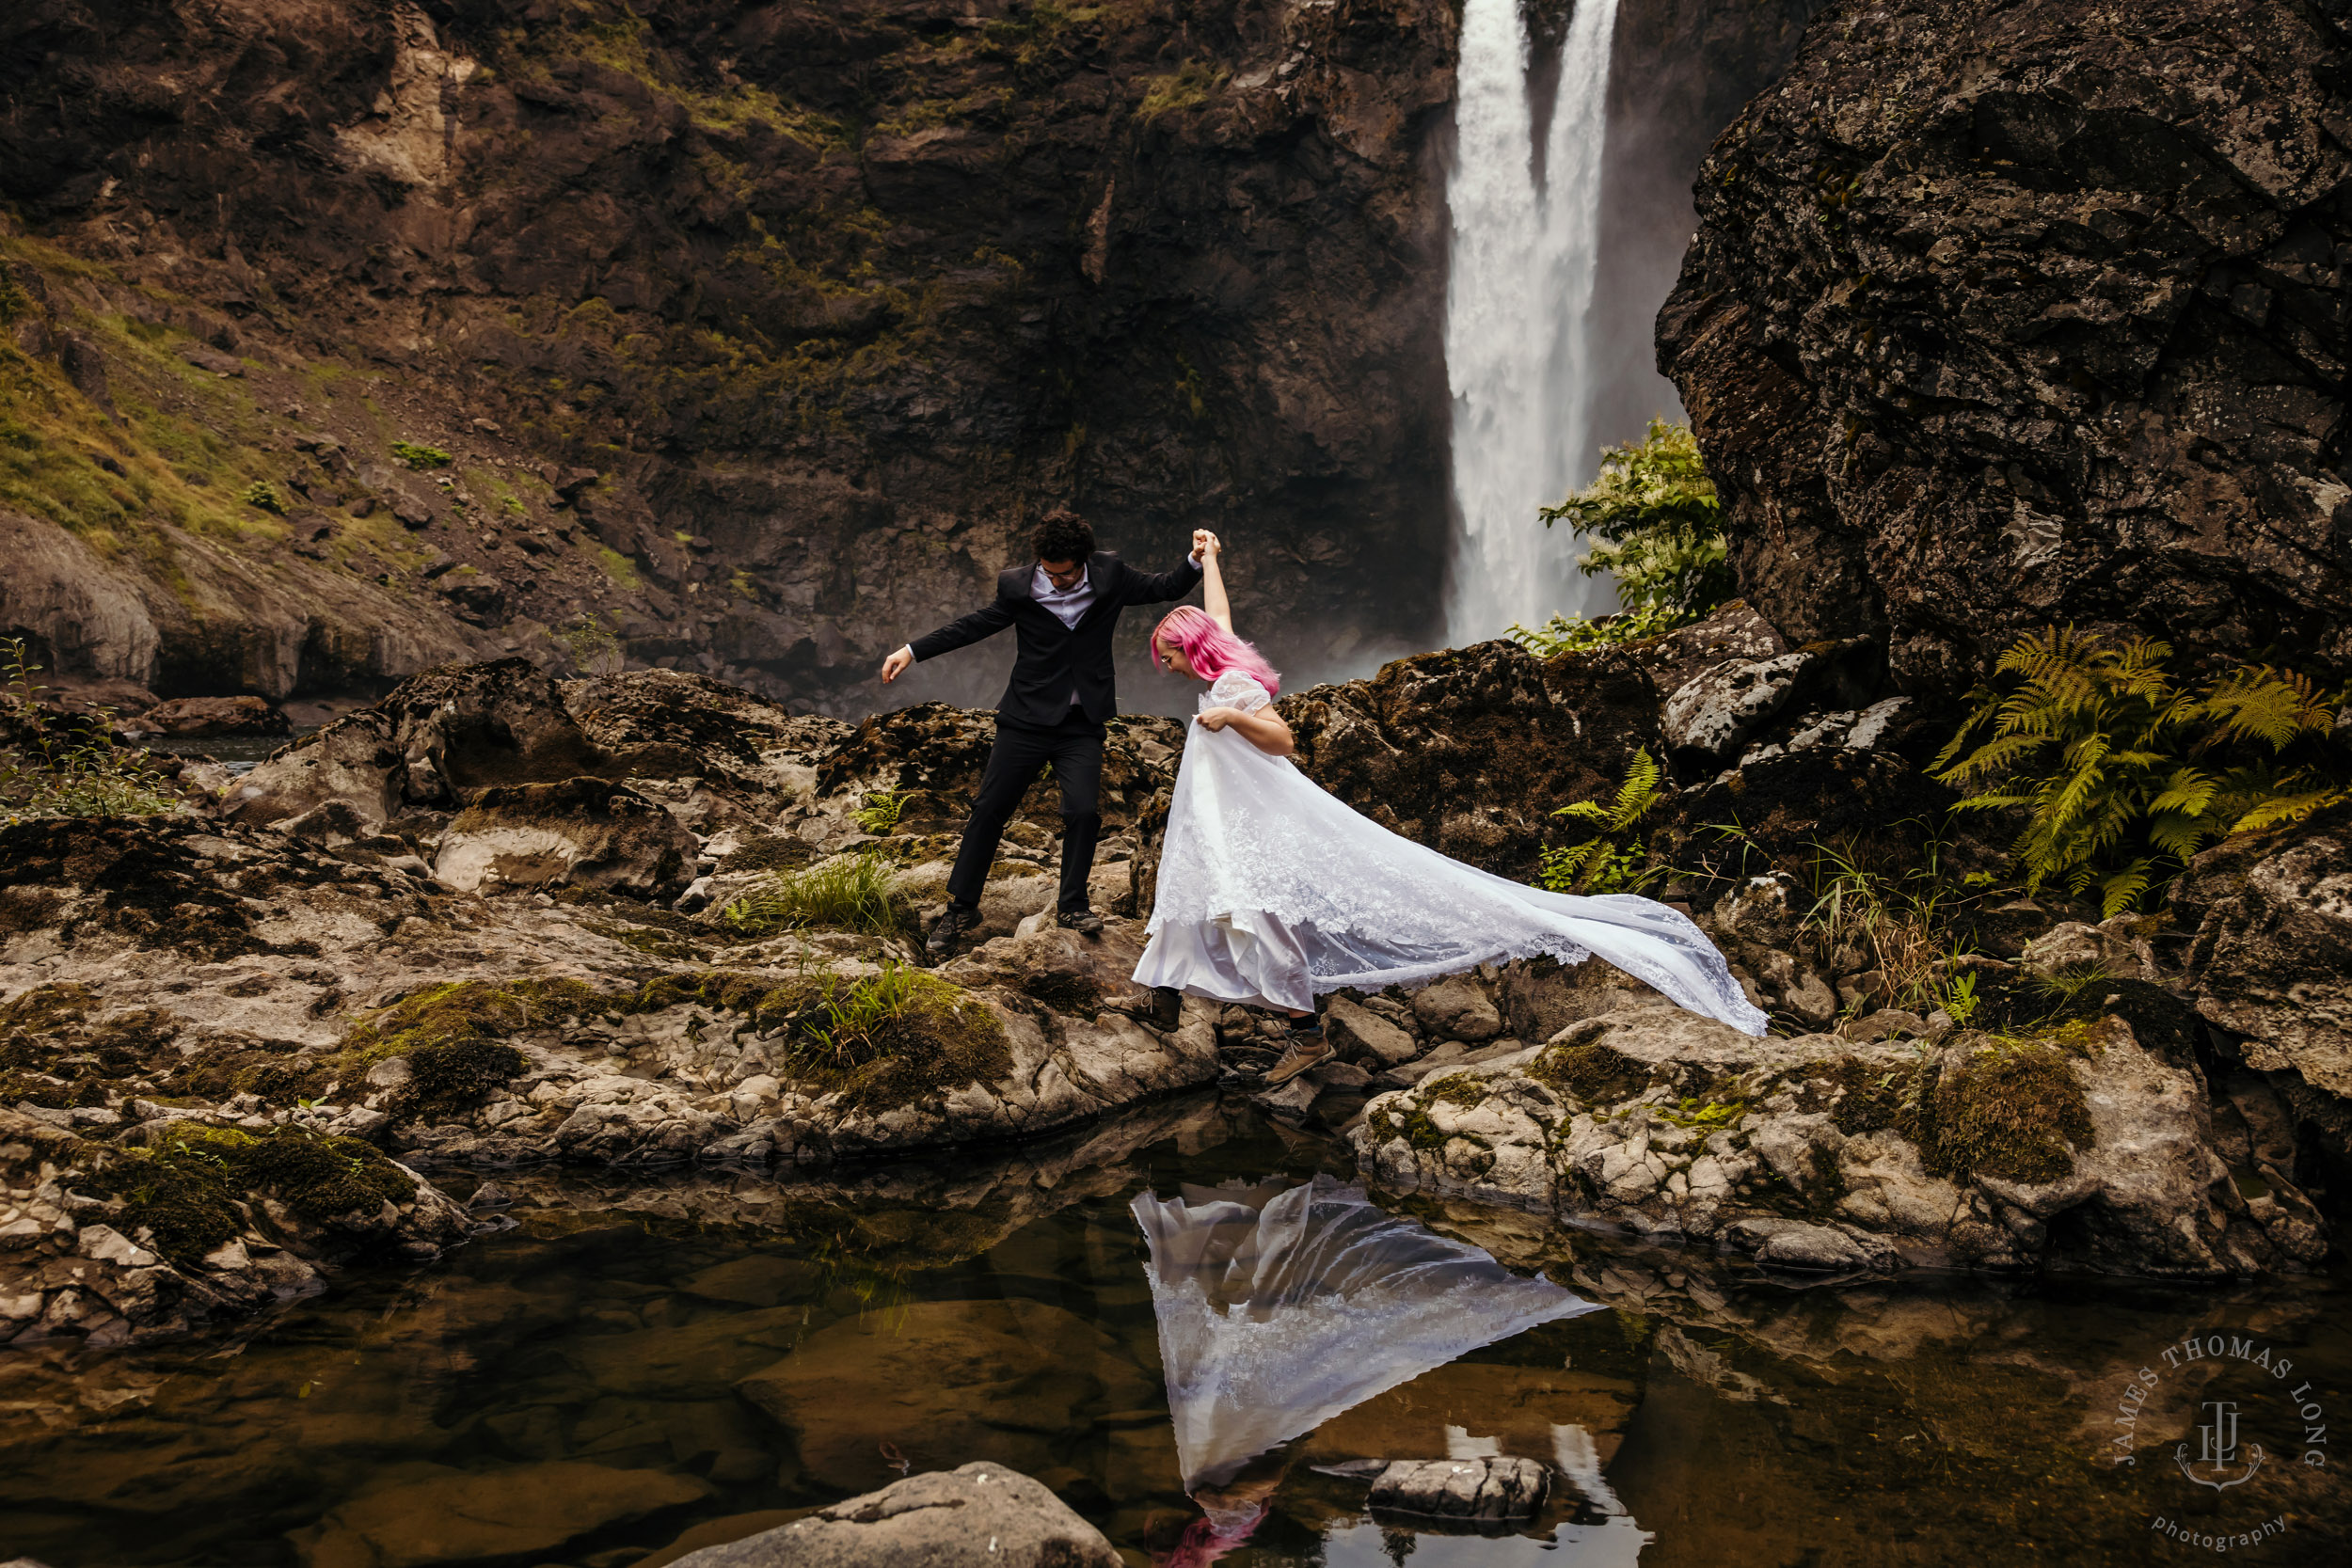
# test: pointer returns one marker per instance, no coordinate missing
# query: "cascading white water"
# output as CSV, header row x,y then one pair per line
x,y
1518,302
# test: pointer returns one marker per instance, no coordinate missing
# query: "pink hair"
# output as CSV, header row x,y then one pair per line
x,y
1212,650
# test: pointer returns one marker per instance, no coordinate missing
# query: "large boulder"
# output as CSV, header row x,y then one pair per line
x,y
588,833
2271,956
1468,749
2003,316
2094,1149
437,734
980,1516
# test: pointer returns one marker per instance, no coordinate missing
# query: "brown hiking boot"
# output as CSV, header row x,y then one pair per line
x,y
1306,1051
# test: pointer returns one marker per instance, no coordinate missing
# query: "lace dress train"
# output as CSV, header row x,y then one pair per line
x,y
1272,891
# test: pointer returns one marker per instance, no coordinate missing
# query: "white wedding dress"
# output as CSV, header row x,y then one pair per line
x,y
1282,1306
1272,891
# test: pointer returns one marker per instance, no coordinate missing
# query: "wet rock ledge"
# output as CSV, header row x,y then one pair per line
x,y
494,921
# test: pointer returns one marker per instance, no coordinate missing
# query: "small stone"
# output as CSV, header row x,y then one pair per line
x,y
1458,1008
1357,1031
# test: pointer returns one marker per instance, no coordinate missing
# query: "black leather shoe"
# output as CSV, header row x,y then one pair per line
x,y
942,942
1084,922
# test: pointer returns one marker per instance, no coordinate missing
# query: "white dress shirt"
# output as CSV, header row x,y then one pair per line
x,y
1067,604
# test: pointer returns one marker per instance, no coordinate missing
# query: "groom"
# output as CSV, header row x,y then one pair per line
x,y
1063,608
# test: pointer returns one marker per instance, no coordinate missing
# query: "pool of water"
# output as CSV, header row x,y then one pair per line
x,y
639,1366
239,753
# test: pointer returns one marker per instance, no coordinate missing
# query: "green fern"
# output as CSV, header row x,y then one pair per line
x,y
2125,774
1602,864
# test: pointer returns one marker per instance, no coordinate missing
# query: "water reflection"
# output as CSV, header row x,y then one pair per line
x,y
645,1364
1283,1304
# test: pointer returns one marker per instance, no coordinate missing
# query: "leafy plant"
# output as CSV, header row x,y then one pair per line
x,y
54,765
420,458
1659,525
592,646
1899,925
1959,998
1611,860
262,492
846,892
2125,773
879,811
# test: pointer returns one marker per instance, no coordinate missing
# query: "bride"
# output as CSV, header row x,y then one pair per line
x,y
1272,892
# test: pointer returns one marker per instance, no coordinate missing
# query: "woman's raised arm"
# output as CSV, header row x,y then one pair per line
x,y
1213,597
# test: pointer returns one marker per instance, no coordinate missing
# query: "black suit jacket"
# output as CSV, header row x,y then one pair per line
x,y
1054,659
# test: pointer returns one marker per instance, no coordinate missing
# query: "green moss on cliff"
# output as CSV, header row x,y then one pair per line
x,y
188,1193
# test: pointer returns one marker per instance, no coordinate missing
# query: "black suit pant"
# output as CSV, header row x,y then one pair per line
x,y
1075,746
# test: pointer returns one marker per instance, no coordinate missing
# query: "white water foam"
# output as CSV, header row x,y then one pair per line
x,y
1518,308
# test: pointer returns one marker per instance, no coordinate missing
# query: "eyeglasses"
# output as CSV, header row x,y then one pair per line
x,y
1063,579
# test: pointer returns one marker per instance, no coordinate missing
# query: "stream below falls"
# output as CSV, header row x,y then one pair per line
x,y
636,1367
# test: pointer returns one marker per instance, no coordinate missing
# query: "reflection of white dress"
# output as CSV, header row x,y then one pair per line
x,y
1272,890
1278,1309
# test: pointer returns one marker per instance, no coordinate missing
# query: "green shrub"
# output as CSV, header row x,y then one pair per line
x,y
55,764
263,494
1659,525
2125,773
1612,859
420,458
850,892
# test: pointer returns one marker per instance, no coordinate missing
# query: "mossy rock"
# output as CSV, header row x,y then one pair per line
x,y
188,1194
894,1038
1594,1073
2017,1113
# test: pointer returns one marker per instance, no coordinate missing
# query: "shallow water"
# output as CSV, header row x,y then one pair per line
x,y
638,1362
239,753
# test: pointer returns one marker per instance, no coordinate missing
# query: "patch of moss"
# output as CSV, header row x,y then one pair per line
x,y
1456,1089
1075,994
184,1195
2019,1114
2013,1111
1594,1073
453,1035
892,1039
769,852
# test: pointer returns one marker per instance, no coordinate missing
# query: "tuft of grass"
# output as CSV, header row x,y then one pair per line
x,y
54,765
848,893
888,1038
420,457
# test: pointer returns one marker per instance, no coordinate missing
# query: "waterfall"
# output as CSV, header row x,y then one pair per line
x,y
1519,303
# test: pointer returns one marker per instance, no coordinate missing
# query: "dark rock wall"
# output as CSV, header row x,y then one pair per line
x,y
1680,70
2003,315
830,295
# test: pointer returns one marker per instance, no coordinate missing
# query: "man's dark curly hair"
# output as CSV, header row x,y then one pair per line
x,y
1062,535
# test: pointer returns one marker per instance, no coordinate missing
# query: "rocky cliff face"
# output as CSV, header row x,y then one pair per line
x,y
747,333
2003,316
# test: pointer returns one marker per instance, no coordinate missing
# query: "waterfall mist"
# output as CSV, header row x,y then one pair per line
x,y
1526,206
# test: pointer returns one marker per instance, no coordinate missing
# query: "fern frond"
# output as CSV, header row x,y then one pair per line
x,y
2122,890
1591,811
2286,808
2267,704
2187,792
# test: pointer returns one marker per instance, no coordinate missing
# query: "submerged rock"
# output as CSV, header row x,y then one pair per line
x,y
981,1515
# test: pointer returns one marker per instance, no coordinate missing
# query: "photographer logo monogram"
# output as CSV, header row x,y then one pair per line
x,y
2253,1416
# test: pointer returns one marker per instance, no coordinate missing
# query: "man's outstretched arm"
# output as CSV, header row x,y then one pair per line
x,y
985,621
1157,586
